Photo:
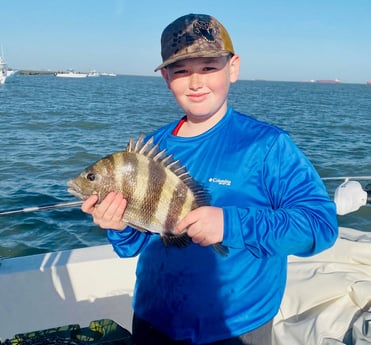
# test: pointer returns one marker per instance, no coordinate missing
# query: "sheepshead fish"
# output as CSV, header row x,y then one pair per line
x,y
158,189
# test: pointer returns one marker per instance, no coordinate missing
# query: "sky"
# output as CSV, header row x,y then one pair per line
x,y
283,40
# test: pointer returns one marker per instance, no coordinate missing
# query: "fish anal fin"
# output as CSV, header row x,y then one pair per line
x,y
179,241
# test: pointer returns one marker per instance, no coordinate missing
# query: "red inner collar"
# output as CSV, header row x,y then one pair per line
x,y
179,125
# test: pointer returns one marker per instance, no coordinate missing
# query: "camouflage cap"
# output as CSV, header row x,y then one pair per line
x,y
194,35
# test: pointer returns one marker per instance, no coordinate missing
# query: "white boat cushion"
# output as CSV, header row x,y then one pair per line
x,y
327,295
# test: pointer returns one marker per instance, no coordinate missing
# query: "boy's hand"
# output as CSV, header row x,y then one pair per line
x,y
205,225
109,213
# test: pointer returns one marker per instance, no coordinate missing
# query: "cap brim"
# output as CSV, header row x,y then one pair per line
x,y
216,53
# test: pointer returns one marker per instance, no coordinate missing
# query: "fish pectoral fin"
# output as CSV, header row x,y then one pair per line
x,y
179,241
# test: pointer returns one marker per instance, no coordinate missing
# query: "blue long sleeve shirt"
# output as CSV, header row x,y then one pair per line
x,y
274,205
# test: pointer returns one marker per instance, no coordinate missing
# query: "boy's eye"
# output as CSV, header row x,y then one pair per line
x,y
180,71
185,71
209,68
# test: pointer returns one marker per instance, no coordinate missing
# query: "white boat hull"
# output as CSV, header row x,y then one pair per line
x,y
71,75
69,287
9,73
3,70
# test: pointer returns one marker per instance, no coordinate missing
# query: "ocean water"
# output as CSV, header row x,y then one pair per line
x,y
51,128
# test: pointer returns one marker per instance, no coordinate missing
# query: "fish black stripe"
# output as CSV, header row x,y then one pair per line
x,y
111,163
155,184
111,168
126,179
176,205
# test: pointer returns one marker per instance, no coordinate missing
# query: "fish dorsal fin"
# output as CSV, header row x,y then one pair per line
x,y
152,151
146,148
131,145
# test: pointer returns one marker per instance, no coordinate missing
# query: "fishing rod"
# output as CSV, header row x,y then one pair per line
x,y
41,208
346,178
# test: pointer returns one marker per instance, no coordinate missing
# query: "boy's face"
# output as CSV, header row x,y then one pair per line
x,y
201,85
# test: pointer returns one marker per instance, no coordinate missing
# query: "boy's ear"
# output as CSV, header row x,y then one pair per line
x,y
165,75
234,64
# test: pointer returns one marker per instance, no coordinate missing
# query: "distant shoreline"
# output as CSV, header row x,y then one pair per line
x,y
26,72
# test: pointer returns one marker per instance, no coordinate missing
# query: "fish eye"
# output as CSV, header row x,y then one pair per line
x,y
91,177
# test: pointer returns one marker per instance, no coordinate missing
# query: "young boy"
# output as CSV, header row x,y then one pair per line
x,y
267,202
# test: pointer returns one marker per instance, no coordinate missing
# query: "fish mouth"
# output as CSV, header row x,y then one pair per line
x,y
75,190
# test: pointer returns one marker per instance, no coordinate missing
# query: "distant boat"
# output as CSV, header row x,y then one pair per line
x,y
369,82
71,74
108,74
328,81
93,74
3,70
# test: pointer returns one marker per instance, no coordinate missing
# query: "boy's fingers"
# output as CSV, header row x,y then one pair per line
x,y
89,204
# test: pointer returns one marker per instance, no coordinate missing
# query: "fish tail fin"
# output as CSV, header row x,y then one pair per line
x,y
221,249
